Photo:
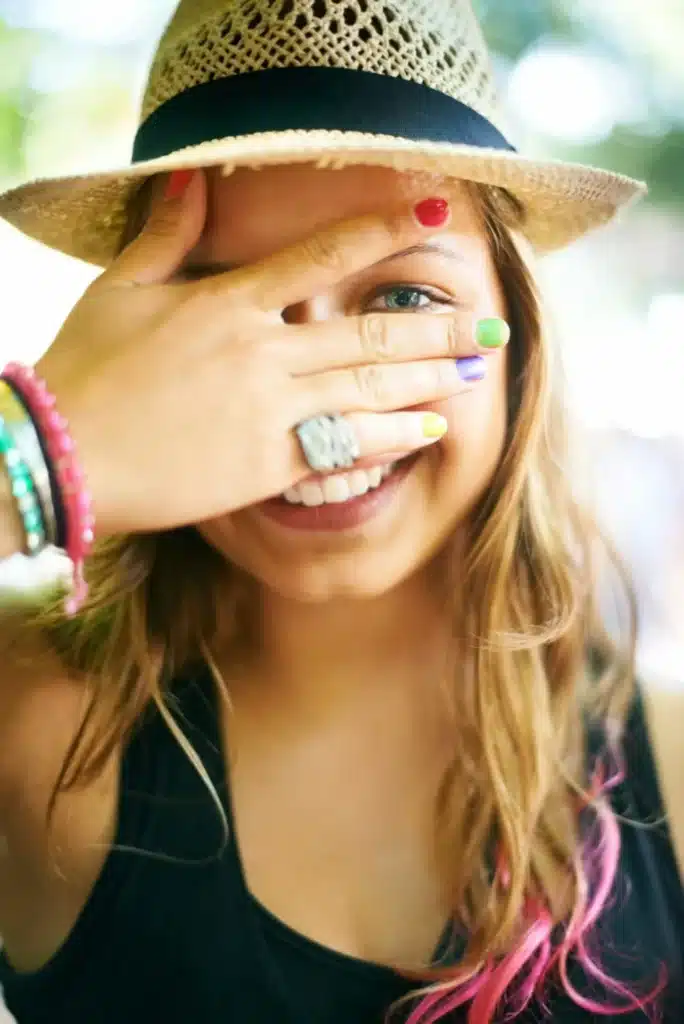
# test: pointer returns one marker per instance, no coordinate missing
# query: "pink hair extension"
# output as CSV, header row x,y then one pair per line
x,y
601,861
436,1004
530,959
512,983
535,978
487,988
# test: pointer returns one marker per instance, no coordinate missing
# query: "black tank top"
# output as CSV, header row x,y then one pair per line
x,y
171,935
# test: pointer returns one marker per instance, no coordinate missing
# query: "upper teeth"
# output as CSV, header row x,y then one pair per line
x,y
338,487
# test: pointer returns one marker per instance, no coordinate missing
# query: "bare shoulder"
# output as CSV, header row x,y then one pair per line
x,y
40,707
664,705
47,868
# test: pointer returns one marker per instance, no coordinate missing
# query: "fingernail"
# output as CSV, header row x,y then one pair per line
x,y
471,367
432,213
178,183
434,425
492,332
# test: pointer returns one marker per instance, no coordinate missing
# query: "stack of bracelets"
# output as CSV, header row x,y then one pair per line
x,y
46,480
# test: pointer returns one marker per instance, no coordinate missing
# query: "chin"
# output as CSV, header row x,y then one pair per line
x,y
326,580
363,569
297,555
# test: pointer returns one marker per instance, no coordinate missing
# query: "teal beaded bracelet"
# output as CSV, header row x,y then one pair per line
x,y
23,491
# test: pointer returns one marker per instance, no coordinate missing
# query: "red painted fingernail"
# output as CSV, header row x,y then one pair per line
x,y
432,213
178,183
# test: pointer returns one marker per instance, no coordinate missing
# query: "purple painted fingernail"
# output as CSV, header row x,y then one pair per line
x,y
471,367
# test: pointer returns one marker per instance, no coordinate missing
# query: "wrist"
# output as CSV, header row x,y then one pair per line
x,y
58,469
12,535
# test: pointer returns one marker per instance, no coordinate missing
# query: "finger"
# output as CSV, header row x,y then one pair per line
x,y
385,437
395,433
387,338
172,230
336,252
376,388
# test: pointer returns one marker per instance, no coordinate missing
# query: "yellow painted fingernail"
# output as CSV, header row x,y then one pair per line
x,y
434,425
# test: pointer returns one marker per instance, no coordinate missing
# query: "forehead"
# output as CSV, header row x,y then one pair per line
x,y
252,213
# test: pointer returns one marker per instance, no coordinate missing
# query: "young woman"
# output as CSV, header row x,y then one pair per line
x,y
336,733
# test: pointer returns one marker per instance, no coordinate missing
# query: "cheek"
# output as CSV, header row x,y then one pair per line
x,y
477,423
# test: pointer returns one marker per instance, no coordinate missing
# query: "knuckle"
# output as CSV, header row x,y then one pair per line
x,y
259,357
324,249
372,385
160,225
394,226
229,295
375,336
256,293
453,336
198,311
153,236
217,287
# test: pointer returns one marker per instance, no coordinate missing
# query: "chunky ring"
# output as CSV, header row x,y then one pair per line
x,y
328,443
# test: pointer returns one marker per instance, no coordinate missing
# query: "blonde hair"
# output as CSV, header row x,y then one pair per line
x,y
528,617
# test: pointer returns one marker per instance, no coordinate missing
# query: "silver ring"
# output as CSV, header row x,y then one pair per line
x,y
328,443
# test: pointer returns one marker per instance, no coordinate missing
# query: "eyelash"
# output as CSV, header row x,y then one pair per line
x,y
193,274
425,292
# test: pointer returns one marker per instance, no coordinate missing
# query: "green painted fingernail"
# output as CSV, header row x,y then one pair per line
x,y
492,332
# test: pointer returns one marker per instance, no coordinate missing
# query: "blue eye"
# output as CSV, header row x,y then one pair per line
x,y
400,298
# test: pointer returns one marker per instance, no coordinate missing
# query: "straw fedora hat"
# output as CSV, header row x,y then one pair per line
x,y
405,84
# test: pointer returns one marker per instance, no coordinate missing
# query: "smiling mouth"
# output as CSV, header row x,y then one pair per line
x,y
340,501
335,488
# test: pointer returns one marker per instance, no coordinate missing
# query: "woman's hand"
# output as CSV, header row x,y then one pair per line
x,y
182,397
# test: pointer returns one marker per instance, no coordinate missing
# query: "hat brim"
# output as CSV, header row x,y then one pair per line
x,y
84,216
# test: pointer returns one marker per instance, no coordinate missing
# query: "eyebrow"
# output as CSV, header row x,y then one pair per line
x,y
211,269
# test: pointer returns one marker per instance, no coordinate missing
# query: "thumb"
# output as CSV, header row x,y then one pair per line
x,y
172,230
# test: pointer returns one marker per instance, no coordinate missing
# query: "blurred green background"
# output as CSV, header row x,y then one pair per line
x,y
598,81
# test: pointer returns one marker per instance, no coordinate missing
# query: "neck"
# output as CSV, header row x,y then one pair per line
x,y
323,654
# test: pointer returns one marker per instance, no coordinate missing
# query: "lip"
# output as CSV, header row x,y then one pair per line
x,y
345,515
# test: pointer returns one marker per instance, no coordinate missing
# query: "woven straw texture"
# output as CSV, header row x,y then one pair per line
x,y
433,42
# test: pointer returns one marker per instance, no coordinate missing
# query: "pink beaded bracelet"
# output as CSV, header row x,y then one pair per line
x,y
61,450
